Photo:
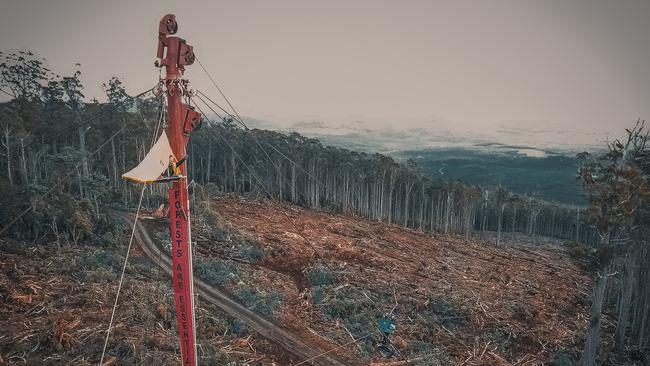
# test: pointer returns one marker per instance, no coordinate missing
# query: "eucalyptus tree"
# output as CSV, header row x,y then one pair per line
x,y
117,96
8,118
72,88
634,267
501,199
515,202
409,178
24,74
615,190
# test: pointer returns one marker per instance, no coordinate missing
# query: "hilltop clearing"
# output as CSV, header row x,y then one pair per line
x,y
334,277
325,277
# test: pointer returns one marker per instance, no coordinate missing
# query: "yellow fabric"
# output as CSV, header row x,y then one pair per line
x,y
153,164
176,170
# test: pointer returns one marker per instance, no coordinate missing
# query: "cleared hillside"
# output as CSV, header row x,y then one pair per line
x,y
333,277
56,305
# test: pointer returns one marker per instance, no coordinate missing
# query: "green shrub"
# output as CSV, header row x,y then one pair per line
x,y
317,294
445,313
163,236
562,358
140,264
238,327
14,247
212,190
108,231
321,276
219,233
214,271
358,312
263,303
342,308
62,213
164,239
100,259
252,252
577,250
590,258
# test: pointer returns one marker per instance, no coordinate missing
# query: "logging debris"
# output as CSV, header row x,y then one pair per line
x,y
456,301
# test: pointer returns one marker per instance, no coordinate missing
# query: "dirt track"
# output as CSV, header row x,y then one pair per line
x,y
289,341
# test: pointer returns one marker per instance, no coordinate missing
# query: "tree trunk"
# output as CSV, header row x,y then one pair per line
x,y
390,196
407,194
577,226
234,172
484,222
125,191
207,167
23,162
82,148
422,207
433,203
8,154
96,206
514,219
114,167
448,212
294,197
81,189
591,340
499,225
624,307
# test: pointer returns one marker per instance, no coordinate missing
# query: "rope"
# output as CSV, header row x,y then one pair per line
x,y
259,181
241,122
250,170
161,115
334,349
119,287
6,92
239,119
220,92
277,168
217,105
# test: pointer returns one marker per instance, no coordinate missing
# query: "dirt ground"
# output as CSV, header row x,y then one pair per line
x,y
56,305
455,301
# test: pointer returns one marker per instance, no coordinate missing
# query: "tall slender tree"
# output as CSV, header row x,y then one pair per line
x,y
615,190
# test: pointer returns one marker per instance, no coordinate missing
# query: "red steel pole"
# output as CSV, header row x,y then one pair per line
x,y
181,120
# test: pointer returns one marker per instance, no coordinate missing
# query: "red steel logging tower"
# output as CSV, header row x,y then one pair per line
x,y
174,54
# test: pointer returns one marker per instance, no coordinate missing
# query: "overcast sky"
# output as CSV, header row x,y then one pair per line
x,y
477,64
